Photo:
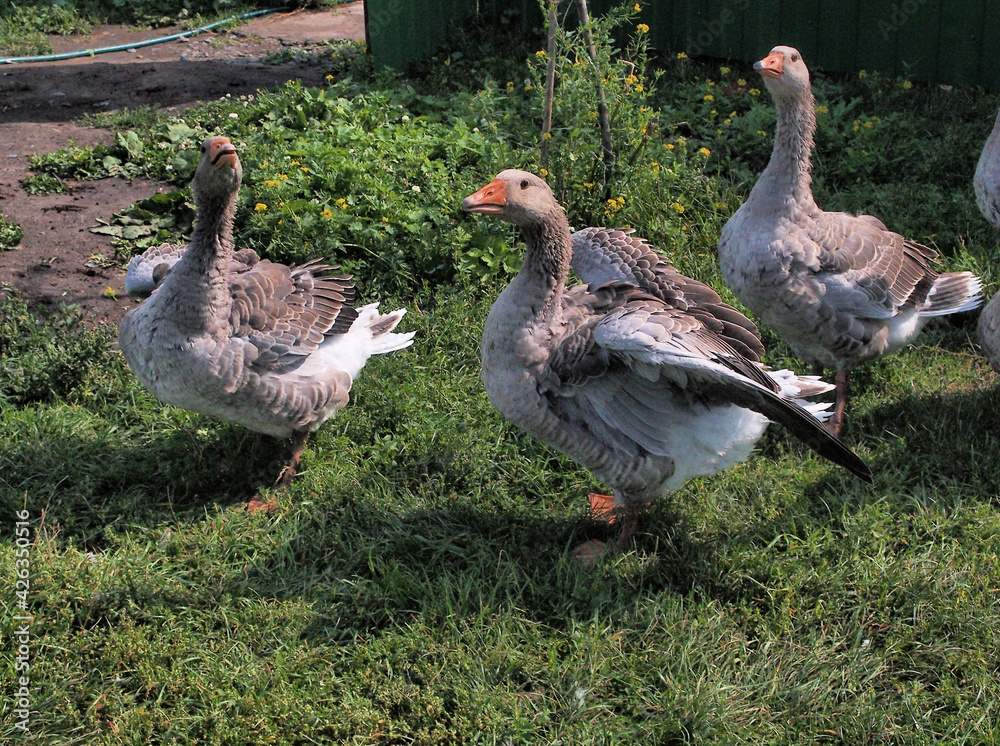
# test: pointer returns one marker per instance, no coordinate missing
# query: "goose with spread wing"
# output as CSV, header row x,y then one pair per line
x,y
271,347
643,376
840,289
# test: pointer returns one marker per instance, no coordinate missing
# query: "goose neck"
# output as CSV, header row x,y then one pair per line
x,y
789,172
549,249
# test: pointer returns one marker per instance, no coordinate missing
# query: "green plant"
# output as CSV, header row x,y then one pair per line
x,y
10,234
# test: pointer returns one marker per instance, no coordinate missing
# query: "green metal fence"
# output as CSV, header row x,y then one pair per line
x,y
941,41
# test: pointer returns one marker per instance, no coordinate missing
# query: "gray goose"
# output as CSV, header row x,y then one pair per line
x,y
987,185
841,289
273,348
639,376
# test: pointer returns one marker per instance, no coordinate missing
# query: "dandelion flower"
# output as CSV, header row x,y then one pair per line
x,y
678,207
543,172
260,207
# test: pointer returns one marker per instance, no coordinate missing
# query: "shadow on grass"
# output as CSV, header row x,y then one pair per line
x,y
88,482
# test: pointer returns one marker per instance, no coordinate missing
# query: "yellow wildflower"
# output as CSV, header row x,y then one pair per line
x,y
543,172
546,135
753,92
821,110
271,183
510,86
678,207
588,184
326,214
705,152
631,79
869,125
741,83
303,169
260,207
638,8
642,28
294,163
342,203
681,56
862,74
109,292
907,85
283,177
329,77
670,146
709,97
639,88
762,133
724,70
447,62
385,218
540,53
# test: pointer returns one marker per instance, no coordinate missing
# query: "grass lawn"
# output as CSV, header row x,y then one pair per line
x,y
414,586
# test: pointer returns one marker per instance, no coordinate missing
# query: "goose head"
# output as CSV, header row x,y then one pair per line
x,y
516,196
785,74
219,172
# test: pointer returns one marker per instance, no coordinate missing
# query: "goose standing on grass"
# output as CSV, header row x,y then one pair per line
x,y
987,186
641,376
271,347
840,289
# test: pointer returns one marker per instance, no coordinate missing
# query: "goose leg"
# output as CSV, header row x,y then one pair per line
x,y
604,508
287,474
841,382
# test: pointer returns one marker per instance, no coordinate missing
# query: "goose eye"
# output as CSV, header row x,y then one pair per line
x,y
795,58
203,148
524,184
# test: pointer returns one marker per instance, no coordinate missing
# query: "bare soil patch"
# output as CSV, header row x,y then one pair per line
x,y
40,101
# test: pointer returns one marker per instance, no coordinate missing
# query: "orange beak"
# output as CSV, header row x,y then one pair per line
x,y
490,200
221,153
771,66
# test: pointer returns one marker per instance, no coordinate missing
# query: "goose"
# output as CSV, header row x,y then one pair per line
x,y
840,289
987,186
146,271
639,376
273,348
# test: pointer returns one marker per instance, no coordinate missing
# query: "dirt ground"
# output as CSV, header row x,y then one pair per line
x,y
40,101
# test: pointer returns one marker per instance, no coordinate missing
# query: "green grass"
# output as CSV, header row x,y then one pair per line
x,y
415,585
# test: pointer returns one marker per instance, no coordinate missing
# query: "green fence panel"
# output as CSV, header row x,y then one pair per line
x,y
941,41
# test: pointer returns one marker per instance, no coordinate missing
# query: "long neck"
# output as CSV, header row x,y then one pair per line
x,y
788,173
211,245
198,285
549,250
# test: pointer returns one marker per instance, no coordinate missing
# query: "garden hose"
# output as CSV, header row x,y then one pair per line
x,y
134,45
